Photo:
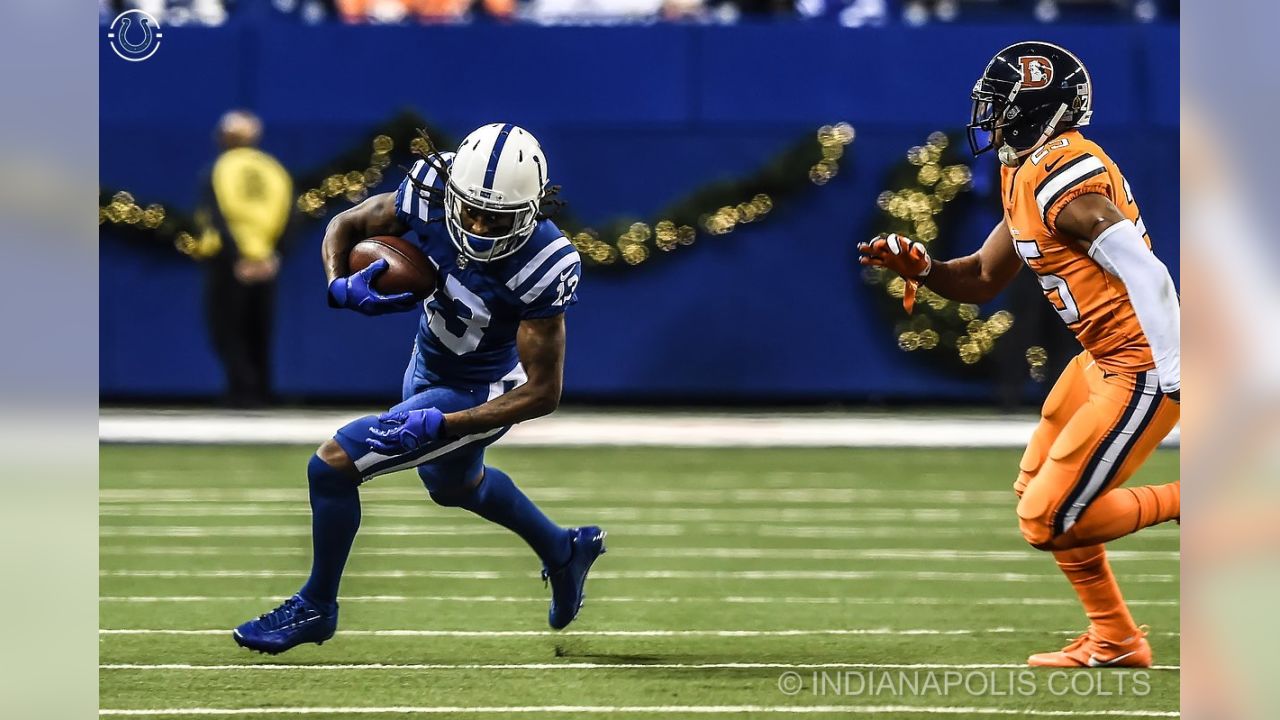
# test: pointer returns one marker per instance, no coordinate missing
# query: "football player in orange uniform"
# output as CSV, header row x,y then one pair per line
x,y
1070,216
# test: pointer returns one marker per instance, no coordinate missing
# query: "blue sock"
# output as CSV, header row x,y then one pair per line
x,y
335,518
498,500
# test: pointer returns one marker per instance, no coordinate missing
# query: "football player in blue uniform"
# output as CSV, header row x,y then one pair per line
x,y
489,353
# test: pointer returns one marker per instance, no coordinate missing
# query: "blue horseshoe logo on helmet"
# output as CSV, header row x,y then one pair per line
x,y
124,32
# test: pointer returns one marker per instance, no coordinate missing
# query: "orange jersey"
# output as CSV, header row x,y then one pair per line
x,y
1093,303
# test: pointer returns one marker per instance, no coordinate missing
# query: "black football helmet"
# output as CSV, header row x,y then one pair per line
x,y
1030,91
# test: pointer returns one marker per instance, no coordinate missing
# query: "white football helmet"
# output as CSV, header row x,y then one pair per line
x,y
494,191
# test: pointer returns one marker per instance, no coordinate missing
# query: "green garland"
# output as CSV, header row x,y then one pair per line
x,y
717,209
925,192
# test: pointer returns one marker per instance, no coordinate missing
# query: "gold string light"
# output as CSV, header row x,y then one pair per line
x,y
124,210
637,243
917,208
633,246
832,139
354,185
1037,362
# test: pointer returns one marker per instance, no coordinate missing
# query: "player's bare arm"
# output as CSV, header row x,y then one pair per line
x,y
975,278
979,277
375,216
1086,217
540,343
1117,244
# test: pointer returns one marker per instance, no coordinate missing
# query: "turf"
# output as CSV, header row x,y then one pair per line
x,y
870,558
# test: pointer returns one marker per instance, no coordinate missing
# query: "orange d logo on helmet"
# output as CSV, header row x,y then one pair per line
x,y
1037,71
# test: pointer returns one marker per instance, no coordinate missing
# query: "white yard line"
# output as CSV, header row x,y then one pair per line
x,y
804,516
791,489
304,530
941,576
671,710
631,529
413,667
890,632
966,600
637,529
588,429
718,553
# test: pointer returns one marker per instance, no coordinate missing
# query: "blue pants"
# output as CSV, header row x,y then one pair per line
x,y
444,464
453,471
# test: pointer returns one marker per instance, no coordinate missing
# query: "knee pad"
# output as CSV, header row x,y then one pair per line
x,y
353,437
326,479
1020,485
1037,533
1035,519
450,483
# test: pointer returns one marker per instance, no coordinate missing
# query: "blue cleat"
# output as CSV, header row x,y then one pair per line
x,y
295,622
586,544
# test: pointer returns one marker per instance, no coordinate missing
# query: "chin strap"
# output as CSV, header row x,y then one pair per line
x,y
1011,157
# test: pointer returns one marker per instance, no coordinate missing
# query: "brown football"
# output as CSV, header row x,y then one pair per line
x,y
408,270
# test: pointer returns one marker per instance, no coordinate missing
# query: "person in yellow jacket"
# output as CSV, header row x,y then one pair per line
x,y
247,203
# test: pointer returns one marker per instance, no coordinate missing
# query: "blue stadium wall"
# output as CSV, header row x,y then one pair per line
x,y
632,119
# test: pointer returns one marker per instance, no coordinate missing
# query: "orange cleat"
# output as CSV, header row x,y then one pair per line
x,y
1090,651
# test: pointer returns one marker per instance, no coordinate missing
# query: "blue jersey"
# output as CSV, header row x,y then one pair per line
x,y
467,335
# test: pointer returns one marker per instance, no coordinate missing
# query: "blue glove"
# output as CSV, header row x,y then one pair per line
x,y
406,431
356,293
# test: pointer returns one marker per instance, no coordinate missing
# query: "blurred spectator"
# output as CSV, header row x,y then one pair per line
x,y
595,11
247,201
170,12
570,12
394,11
849,13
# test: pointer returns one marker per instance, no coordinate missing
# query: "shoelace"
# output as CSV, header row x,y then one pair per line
x,y
287,610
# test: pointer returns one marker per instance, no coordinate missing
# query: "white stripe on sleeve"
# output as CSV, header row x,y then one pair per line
x,y
410,192
532,266
1065,179
567,261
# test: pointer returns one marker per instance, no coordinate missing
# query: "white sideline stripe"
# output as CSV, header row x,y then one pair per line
x,y
734,599
585,429
647,709
643,575
588,666
719,553
638,633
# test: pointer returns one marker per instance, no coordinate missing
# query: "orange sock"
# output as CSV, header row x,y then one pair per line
x,y
1124,511
1090,574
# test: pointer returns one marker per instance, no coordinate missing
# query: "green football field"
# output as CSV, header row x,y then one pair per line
x,y
887,582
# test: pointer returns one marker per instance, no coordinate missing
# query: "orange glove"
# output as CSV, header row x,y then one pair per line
x,y
902,255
